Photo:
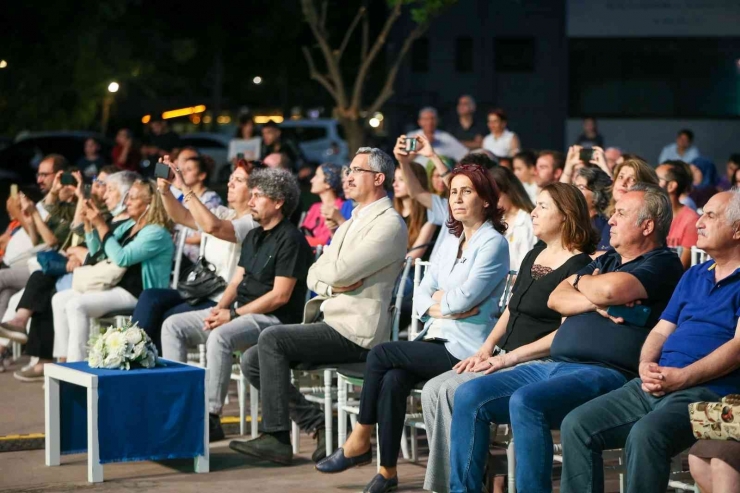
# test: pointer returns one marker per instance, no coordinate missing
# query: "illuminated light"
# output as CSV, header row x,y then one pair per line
x,y
223,119
195,119
207,119
374,122
146,119
113,87
183,112
264,119
379,116
257,80
3,63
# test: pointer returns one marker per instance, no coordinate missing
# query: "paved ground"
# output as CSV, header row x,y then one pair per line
x,y
22,412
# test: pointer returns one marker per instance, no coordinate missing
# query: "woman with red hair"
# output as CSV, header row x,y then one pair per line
x,y
458,302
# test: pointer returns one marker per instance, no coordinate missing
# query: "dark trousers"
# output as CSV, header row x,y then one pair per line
x,y
37,298
267,366
392,371
651,430
154,306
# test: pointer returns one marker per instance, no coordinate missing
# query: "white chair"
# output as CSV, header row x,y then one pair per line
x,y
698,256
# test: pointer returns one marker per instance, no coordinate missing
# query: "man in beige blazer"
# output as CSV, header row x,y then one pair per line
x,y
354,281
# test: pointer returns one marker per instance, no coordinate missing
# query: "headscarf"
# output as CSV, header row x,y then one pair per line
x,y
708,171
333,177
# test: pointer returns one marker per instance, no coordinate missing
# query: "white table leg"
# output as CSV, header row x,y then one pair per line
x,y
202,462
52,430
94,467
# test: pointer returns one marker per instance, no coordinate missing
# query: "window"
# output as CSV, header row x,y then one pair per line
x,y
464,54
514,54
420,55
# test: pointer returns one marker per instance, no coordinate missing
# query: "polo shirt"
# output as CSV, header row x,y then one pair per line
x,y
705,313
591,338
466,134
281,251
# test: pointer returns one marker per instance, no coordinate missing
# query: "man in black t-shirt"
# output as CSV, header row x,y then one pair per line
x,y
158,143
595,350
268,288
465,127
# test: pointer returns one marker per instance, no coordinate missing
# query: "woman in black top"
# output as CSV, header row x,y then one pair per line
x,y
562,224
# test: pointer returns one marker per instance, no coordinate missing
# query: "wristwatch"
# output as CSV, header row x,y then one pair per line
x,y
575,283
232,312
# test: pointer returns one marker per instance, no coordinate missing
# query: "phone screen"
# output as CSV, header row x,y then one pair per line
x,y
161,170
14,190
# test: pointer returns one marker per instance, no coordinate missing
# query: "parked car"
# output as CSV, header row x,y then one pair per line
x,y
321,140
216,146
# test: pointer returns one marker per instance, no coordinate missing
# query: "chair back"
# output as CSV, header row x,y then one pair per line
x,y
678,250
398,293
178,257
698,256
510,279
420,268
318,250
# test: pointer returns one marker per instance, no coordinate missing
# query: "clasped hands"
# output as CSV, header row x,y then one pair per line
x,y
661,380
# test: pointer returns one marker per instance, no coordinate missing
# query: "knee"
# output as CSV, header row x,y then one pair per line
x,y
520,400
468,399
429,396
270,337
642,436
574,428
169,329
217,342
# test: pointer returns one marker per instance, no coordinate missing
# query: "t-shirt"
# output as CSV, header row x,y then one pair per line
x,y
466,134
281,251
683,229
601,225
589,142
90,167
591,338
705,313
500,146
242,225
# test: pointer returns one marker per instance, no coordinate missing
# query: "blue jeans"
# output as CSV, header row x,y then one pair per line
x,y
155,305
534,398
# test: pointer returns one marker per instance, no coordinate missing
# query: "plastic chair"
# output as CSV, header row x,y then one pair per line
x,y
698,256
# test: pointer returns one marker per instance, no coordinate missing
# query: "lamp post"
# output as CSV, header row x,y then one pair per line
x,y
107,102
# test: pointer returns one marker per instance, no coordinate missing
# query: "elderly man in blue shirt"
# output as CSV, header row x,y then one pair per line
x,y
692,354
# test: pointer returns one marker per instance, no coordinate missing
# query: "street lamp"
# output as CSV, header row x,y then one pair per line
x,y
3,63
107,102
257,80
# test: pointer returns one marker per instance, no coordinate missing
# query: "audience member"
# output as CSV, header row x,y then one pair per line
x,y
561,222
327,184
97,188
336,217
590,137
549,167
246,129
278,160
704,180
353,279
91,161
517,207
443,143
268,288
225,224
524,168
681,150
674,178
592,350
595,186
125,154
160,141
736,178
421,232
501,141
458,302
506,162
628,173
612,155
466,128
690,355
733,164
143,246
578,158
273,142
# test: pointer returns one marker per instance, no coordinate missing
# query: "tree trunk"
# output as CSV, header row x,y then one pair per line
x,y
355,134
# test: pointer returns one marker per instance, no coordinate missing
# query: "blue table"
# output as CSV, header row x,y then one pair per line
x,y
118,415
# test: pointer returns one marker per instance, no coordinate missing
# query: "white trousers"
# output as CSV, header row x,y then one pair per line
x,y
72,314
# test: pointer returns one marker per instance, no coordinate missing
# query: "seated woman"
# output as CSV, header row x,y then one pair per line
x,y
517,208
629,172
421,232
458,298
327,184
156,305
561,223
144,249
595,185
715,465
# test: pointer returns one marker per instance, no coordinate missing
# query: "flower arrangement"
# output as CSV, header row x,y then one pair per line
x,y
120,348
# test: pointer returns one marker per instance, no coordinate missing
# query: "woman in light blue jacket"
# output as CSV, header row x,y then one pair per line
x,y
143,247
458,300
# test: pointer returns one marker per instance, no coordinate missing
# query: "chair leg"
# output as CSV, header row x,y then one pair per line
x,y
328,411
254,404
296,432
511,466
341,412
241,386
405,444
414,445
377,449
16,350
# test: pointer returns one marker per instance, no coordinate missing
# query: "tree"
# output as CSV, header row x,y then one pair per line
x,y
350,99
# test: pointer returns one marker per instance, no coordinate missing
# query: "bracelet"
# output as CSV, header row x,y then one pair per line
x,y
188,195
164,191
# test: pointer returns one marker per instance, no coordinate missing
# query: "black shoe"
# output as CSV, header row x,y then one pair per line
x,y
265,446
337,462
215,432
380,485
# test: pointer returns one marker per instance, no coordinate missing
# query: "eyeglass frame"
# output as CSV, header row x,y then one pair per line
x,y
349,170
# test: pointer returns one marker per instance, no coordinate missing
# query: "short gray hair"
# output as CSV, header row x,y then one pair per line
x,y
428,109
381,162
277,184
122,181
732,212
656,205
472,100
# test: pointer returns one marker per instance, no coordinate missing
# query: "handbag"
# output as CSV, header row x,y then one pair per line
x,y
200,282
99,277
52,263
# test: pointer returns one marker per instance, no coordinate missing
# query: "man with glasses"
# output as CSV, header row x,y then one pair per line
x,y
354,281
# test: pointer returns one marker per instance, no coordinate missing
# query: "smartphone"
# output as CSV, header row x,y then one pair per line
x,y
86,191
411,144
436,339
586,155
14,190
68,179
633,315
161,170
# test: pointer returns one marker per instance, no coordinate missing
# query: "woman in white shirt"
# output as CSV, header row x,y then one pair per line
x,y
501,142
517,207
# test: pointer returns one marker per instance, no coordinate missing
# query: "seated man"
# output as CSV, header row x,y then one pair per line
x,y
593,351
692,354
268,288
354,280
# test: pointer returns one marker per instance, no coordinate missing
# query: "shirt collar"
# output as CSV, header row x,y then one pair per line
x,y
360,212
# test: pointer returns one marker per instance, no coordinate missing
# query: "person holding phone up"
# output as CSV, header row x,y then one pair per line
x,y
593,352
579,157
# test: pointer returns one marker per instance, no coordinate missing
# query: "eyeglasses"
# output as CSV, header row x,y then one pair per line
x,y
355,170
43,175
98,181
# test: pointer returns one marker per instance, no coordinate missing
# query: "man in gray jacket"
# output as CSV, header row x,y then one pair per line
x,y
354,281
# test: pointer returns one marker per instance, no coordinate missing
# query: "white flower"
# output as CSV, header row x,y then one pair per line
x,y
115,341
139,350
150,361
93,360
134,335
113,361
